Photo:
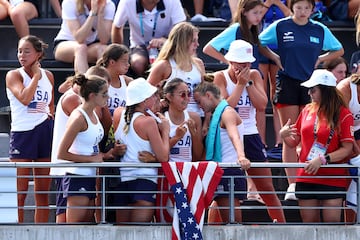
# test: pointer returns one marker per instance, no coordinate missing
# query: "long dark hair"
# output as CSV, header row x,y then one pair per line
x,y
330,105
247,34
89,84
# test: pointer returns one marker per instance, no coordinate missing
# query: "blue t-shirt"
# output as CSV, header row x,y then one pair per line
x,y
299,46
222,42
273,13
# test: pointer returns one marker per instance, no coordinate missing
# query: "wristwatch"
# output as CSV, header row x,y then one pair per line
x,y
249,83
92,14
327,158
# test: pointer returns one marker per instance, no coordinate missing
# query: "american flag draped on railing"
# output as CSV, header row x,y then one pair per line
x,y
193,185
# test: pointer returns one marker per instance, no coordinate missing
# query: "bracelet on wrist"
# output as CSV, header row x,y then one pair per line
x,y
323,160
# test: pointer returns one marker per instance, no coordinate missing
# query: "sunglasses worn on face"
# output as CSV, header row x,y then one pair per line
x,y
104,95
184,94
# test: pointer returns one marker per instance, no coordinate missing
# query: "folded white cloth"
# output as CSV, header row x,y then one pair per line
x,y
201,18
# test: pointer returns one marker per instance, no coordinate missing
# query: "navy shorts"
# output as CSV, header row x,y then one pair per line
x,y
32,144
61,202
357,134
239,184
133,192
254,148
78,185
315,191
289,91
265,60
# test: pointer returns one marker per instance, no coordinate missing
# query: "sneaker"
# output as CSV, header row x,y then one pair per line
x,y
290,193
198,18
255,197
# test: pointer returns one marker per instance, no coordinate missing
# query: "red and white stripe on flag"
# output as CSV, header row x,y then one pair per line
x,y
200,179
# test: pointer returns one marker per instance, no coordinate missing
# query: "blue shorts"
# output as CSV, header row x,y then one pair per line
x,y
265,60
239,184
289,91
131,188
78,185
254,148
61,202
314,191
33,144
357,134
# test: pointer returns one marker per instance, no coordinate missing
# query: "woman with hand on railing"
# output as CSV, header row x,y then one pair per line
x,y
80,144
325,130
224,143
140,132
85,32
243,89
30,92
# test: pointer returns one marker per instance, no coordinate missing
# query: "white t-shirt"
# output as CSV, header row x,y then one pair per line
x,y
69,12
145,25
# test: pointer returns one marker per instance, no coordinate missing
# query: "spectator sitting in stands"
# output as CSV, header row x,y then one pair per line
x,y
56,6
21,11
84,33
355,56
150,23
198,10
343,10
4,9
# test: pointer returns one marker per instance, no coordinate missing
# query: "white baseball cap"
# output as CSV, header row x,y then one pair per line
x,y
320,77
138,90
240,51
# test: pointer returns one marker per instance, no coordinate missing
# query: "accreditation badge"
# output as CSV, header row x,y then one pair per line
x,y
316,150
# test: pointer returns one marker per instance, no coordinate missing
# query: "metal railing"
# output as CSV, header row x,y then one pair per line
x,y
102,192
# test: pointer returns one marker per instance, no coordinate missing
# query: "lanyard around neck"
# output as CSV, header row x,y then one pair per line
x,y
332,132
142,24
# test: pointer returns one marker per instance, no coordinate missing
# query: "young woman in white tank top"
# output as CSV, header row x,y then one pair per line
x,y
80,144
